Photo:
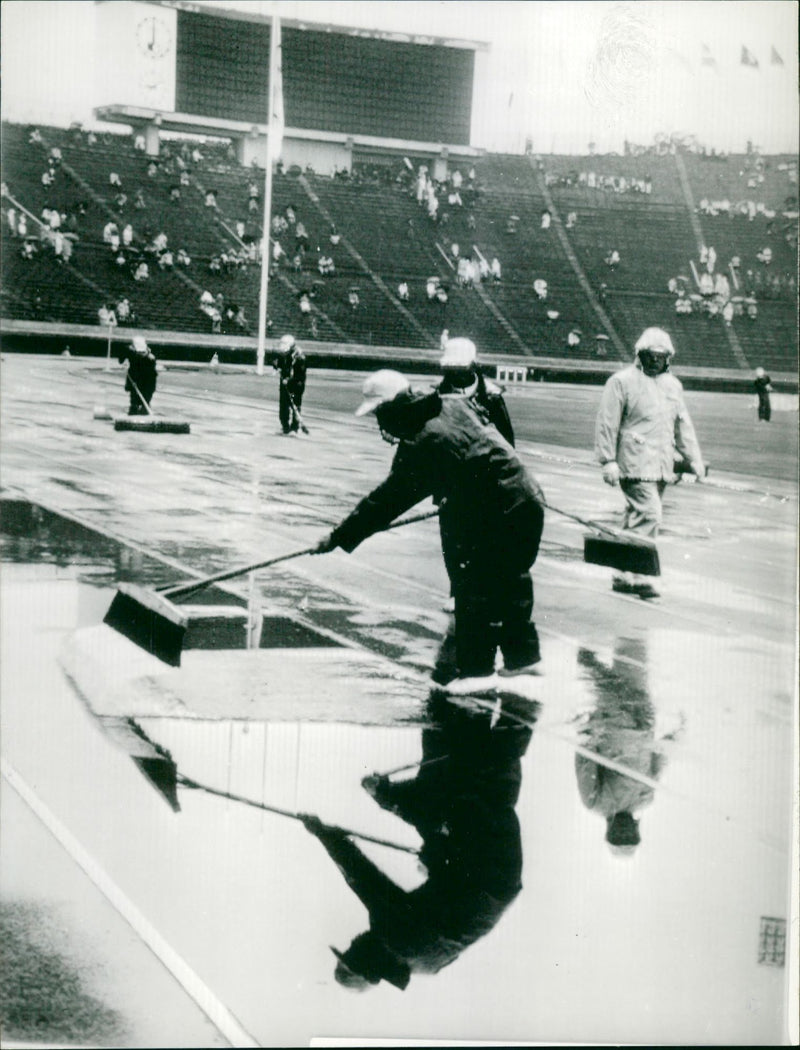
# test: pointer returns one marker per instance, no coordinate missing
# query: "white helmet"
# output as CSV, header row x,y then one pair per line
x,y
655,340
286,343
458,353
380,387
139,345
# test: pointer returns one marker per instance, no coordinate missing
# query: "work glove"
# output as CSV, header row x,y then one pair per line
x,y
327,543
611,473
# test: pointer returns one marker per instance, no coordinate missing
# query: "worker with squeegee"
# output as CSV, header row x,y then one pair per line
x,y
140,382
491,514
642,419
290,362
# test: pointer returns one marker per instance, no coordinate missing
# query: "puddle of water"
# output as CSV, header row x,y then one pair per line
x,y
520,902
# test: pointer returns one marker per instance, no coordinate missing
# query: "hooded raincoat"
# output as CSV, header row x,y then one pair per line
x,y
641,421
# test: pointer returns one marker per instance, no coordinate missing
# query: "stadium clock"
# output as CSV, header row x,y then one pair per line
x,y
153,37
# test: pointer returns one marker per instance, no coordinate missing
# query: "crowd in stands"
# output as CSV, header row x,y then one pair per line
x,y
727,292
592,180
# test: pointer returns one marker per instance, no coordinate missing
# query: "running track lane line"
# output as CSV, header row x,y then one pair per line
x,y
212,1007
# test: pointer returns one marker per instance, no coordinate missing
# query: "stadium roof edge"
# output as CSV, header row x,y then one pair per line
x,y
318,27
197,124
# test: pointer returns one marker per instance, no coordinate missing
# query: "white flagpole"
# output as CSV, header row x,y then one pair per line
x,y
274,43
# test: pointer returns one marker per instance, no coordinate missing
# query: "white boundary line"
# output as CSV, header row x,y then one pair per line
x,y
211,1006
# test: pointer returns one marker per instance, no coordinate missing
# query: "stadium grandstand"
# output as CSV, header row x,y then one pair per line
x,y
387,225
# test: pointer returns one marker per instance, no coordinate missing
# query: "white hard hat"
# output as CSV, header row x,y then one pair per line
x,y
139,344
656,340
458,353
286,342
380,387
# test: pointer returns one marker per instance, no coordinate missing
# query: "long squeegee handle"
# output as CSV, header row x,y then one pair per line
x,y
583,521
188,588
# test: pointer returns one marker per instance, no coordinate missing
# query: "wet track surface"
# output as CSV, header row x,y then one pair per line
x,y
679,712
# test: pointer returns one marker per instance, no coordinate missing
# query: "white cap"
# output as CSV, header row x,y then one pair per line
x,y
458,353
286,343
655,339
139,344
380,387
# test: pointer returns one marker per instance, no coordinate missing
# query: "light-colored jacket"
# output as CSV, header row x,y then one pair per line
x,y
641,421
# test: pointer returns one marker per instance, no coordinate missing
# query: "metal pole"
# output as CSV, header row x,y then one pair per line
x,y
274,41
108,350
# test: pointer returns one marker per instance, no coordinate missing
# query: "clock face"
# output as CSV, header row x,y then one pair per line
x,y
153,36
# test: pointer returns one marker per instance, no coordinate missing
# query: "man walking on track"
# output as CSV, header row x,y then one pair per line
x,y
463,378
290,361
140,381
641,421
491,514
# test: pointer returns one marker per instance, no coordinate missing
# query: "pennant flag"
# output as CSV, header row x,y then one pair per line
x,y
706,58
776,59
748,58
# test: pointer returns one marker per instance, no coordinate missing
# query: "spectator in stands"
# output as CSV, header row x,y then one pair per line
x,y
764,256
120,201
35,136
211,199
763,387
572,218
114,180
612,259
546,219
183,258
123,311
140,381
335,236
28,250
290,362
291,214
471,222
431,285
540,287
175,194
166,260
106,317
722,287
127,235
142,272
641,422
304,302
11,219
727,313
139,143
353,299
496,269
433,206
47,178
301,237
442,294
706,284
138,200
484,269
402,292
152,169
751,308
574,338
120,259
491,518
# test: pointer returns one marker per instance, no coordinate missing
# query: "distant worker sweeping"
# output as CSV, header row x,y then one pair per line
x,y
491,514
140,381
641,422
290,362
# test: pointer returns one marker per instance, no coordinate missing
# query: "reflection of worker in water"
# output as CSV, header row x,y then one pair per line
x,y
621,728
462,804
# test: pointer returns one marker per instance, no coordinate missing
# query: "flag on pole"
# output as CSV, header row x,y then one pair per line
x,y
775,58
706,58
748,58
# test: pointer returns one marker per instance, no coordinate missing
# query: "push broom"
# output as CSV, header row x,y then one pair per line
x,y
151,423
616,549
152,621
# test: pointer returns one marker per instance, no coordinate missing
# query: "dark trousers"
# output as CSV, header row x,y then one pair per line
x,y
764,409
490,613
286,414
136,406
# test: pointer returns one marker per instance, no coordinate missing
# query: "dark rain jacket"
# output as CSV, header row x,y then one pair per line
x,y
292,367
142,371
491,511
488,397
